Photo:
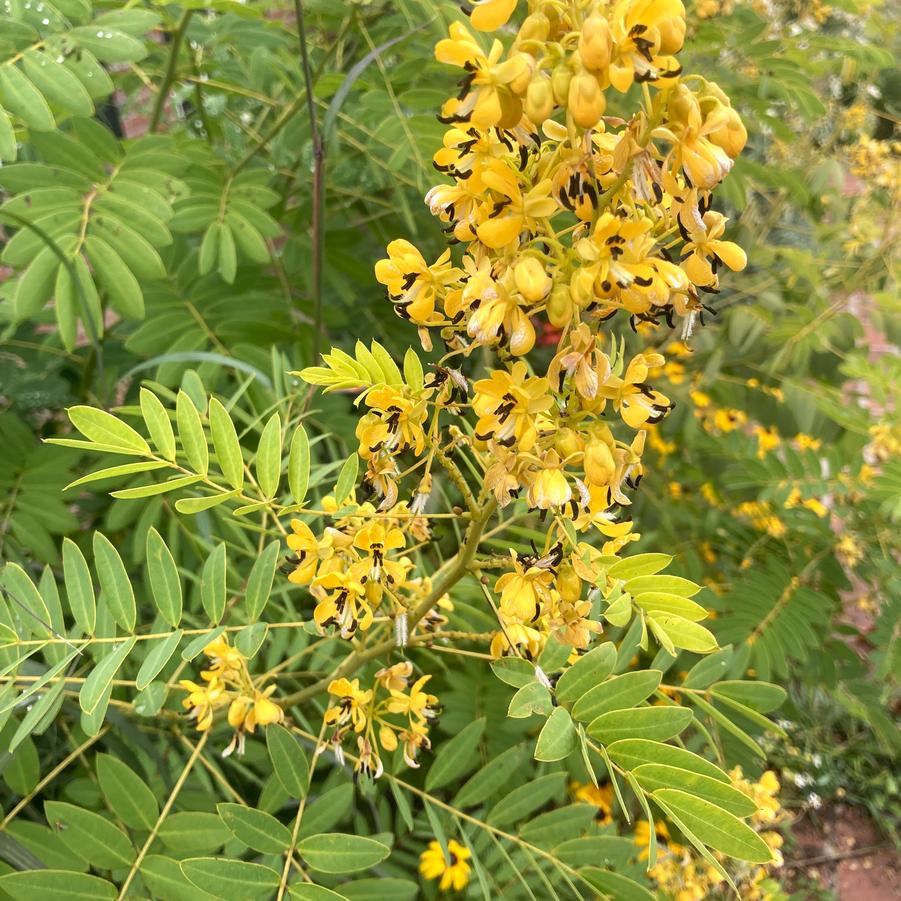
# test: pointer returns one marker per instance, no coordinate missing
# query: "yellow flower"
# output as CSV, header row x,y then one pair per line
x,y
601,797
346,606
523,592
453,873
352,705
413,285
706,250
508,404
490,90
515,211
767,439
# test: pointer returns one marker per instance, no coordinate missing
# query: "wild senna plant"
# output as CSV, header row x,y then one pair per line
x,y
567,221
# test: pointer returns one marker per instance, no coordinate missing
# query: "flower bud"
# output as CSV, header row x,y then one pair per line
x,y
560,306
568,583
599,463
568,442
535,27
531,279
672,33
586,102
595,43
582,287
560,79
731,136
539,102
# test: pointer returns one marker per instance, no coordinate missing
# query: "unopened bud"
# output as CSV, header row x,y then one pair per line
x,y
595,43
560,306
532,281
560,79
586,102
539,103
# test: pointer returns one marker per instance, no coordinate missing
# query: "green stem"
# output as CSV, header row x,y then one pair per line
x,y
177,37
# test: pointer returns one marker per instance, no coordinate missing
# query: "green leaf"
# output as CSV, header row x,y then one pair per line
x,y
268,463
193,832
128,795
531,699
347,479
652,723
457,756
104,428
586,673
526,798
57,83
413,374
21,97
155,488
615,885
65,303
761,696
617,693
113,471
191,505
726,723
212,584
341,853
708,669
226,444
255,828
165,879
197,644
259,582
662,602
514,671
36,284
27,600
653,776
231,880
115,586
228,256
299,465
60,885
683,633
190,431
113,46
557,737
8,148
491,777
164,579
632,753
158,657
209,248
289,762
91,836
714,826
94,687
639,565
554,655
121,286
138,254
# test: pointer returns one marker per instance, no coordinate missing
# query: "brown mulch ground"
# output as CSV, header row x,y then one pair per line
x,y
846,854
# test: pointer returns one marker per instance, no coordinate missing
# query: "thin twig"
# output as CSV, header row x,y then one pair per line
x,y
169,77
318,232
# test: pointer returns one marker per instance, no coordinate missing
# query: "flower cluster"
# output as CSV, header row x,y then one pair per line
x,y
391,714
561,214
227,683
351,567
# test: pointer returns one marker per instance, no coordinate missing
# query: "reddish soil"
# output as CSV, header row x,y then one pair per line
x,y
835,854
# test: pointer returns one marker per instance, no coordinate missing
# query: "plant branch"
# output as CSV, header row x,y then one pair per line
x,y
177,38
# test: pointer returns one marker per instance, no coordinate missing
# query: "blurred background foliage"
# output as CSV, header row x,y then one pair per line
x,y
777,480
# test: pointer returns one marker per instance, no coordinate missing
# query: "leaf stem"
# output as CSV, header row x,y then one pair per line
x,y
177,38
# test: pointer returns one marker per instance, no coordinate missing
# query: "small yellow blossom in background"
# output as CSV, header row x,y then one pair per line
x,y
848,550
767,439
453,873
599,796
807,442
